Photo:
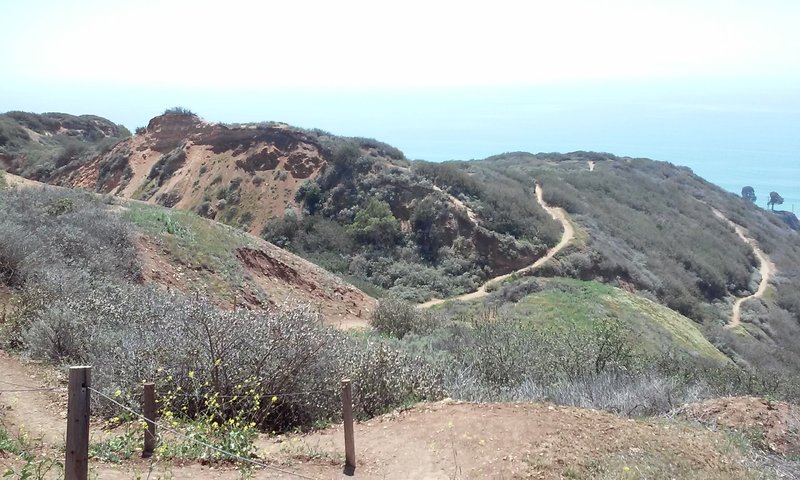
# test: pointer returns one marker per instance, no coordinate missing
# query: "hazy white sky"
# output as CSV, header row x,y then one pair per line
x,y
410,43
706,83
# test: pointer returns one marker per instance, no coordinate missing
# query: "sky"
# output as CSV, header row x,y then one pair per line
x,y
701,83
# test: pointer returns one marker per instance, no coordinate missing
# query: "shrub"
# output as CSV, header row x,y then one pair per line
x,y
374,223
228,364
57,335
281,231
179,111
167,164
398,318
513,292
41,229
311,195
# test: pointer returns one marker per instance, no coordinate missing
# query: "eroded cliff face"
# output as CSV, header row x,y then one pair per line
x,y
242,176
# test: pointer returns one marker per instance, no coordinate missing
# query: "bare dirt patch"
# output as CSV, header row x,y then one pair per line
x,y
40,414
452,440
288,277
774,425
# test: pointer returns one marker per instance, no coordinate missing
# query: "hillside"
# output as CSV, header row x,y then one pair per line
x,y
567,303
651,228
583,280
45,147
181,251
348,204
417,230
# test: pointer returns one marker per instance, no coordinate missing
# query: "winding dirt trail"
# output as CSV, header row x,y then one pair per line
x,y
766,268
569,233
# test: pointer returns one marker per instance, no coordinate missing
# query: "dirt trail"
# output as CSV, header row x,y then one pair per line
x,y
526,440
41,414
569,233
766,268
458,203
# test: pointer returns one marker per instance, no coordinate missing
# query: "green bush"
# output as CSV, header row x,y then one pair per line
x,y
374,223
398,318
179,111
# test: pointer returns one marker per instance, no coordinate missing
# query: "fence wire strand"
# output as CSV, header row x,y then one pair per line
x,y
260,395
17,390
24,388
212,447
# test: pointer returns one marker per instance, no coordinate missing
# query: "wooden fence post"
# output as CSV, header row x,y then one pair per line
x,y
347,418
149,407
76,464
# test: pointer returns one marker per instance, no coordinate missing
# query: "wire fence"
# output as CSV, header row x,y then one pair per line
x,y
260,395
24,388
201,443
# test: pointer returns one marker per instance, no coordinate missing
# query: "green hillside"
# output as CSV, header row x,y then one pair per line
x,y
654,328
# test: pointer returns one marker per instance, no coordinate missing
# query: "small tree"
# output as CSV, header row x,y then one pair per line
x,y
749,194
374,223
311,195
424,220
774,199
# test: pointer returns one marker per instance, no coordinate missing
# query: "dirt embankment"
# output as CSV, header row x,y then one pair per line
x,y
459,440
242,175
773,425
276,270
566,237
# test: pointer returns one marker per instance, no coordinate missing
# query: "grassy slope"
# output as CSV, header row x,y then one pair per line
x,y
656,328
193,254
201,246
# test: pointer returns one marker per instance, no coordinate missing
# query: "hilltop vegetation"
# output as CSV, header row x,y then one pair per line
x,y
44,147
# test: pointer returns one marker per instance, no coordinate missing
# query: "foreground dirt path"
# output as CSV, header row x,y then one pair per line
x,y
569,233
528,440
766,268
41,413
440,440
